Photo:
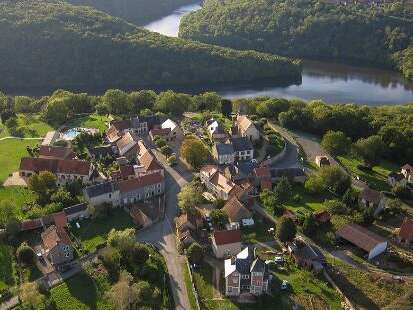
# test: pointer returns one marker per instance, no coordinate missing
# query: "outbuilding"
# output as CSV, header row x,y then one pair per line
x,y
363,238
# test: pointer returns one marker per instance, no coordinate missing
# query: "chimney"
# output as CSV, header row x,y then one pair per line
x,y
255,254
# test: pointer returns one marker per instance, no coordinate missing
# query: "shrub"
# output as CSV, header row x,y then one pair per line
x,y
25,254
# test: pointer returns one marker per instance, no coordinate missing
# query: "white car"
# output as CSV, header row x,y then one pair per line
x,y
284,285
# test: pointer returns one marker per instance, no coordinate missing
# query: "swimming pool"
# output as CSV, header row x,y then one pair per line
x,y
72,133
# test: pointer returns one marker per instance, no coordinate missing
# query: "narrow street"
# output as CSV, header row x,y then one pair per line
x,y
162,234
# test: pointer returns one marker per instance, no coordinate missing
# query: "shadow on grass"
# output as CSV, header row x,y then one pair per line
x,y
82,288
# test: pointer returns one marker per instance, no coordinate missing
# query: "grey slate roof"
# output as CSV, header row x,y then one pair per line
x,y
75,208
242,144
287,172
101,189
224,149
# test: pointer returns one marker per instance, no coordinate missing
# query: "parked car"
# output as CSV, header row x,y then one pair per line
x,y
284,285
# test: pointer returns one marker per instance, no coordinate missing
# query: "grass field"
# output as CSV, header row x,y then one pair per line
x,y
257,233
78,293
32,124
188,284
90,121
308,202
368,290
11,152
376,179
6,266
92,233
18,196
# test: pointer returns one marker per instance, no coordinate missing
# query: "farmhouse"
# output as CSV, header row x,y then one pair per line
x,y
128,146
364,239
142,188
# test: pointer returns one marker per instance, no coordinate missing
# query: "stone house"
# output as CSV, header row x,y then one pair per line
x,y
407,171
322,161
305,255
142,188
246,128
371,198
57,245
223,153
243,148
128,146
99,194
236,210
246,273
226,243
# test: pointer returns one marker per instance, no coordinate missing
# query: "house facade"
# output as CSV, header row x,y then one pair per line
x,y
246,128
371,198
128,146
65,170
246,273
226,243
223,153
141,188
99,194
243,148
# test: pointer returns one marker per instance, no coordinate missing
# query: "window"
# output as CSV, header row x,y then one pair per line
x,y
229,289
234,280
110,195
245,276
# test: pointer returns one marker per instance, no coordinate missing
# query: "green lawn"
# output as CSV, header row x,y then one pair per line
x,y
32,124
188,284
11,152
92,233
368,290
257,233
6,266
90,121
78,293
376,179
18,196
308,202
306,289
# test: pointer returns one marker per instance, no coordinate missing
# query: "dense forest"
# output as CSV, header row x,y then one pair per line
x,y
51,44
376,35
138,12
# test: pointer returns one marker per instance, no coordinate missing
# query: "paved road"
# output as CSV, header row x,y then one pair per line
x,y
162,234
290,158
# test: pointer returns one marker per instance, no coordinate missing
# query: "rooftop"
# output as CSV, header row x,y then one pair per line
x,y
227,236
65,166
145,180
360,236
241,144
224,149
101,189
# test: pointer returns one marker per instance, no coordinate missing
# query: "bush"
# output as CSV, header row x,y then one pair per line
x,y
160,143
25,254
364,168
166,150
172,160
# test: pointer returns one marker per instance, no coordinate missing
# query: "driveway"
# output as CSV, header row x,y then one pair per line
x,y
162,234
15,180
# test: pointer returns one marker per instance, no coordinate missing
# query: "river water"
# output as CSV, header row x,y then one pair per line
x,y
331,82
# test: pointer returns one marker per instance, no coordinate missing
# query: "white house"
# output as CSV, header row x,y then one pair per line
x,y
226,243
175,130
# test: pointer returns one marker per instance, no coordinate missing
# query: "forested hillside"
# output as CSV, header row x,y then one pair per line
x,y
377,35
51,44
138,12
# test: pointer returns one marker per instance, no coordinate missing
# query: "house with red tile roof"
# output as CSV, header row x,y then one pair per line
x,y
371,198
65,170
226,243
406,232
246,128
142,188
363,238
407,171
57,245
128,146
236,210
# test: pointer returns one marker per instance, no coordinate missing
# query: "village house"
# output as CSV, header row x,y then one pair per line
x,y
222,187
246,128
322,161
187,228
226,243
246,273
239,172
405,235
243,148
174,132
138,125
223,153
395,178
236,211
117,129
142,188
65,170
363,238
128,146
216,131
371,198
148,163
305,255
99,194
57,245
143,215
56,152
100,152
407,171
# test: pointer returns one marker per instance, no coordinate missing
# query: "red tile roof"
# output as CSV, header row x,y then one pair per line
x,y
53,236
31,224
406,230
145,180
227,236
262,172
66,166
60,219
360,236
126,171
235,210
162,132
149,161
57,152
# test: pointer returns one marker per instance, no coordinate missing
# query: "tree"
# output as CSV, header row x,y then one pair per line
x,y
369,149
22,104
336,143
170,102
43,184
30,296
102,109
148,296
309,225
401,191
110,258
25,254
124,293
195,253
314,184
141,100
226,107
140,254
335,179
283,190
270,201
207,101
123,240
190,195
117,102
219,218
350,198
56,111
286,229
7,213
194,152
368,216
336,207
63,197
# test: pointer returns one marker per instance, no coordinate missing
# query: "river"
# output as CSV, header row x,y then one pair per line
x,y
331,82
